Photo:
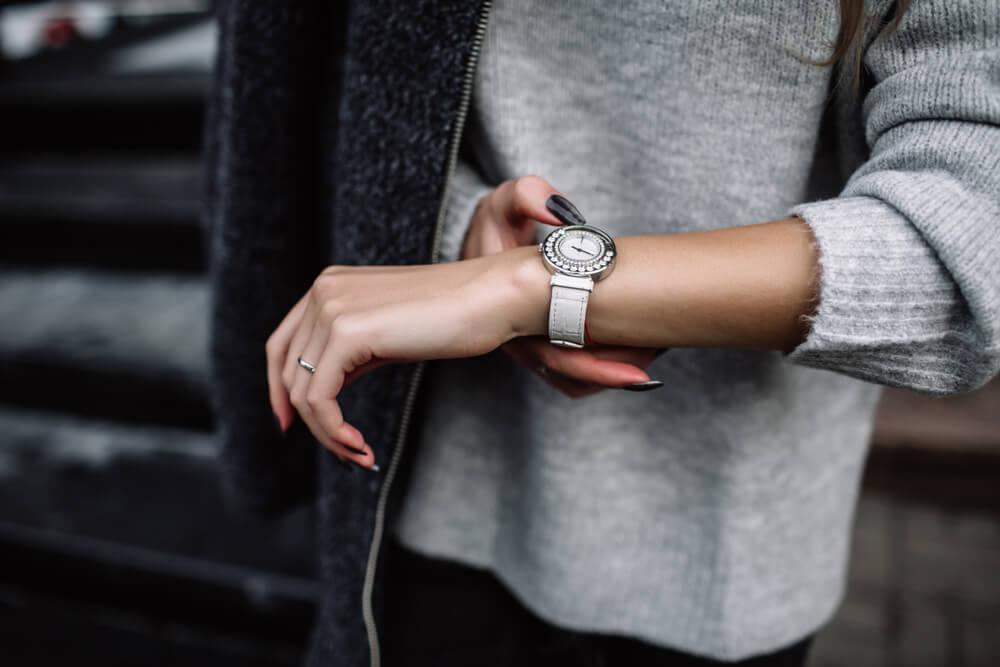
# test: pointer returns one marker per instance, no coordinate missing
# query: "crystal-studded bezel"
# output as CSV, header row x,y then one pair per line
x,y
597,268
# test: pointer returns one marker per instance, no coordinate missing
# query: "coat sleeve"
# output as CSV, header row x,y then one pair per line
x,y
909,252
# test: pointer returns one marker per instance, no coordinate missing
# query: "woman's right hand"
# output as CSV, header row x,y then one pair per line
x,y
506,218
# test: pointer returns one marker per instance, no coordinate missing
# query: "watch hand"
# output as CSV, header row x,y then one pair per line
x,y
583,251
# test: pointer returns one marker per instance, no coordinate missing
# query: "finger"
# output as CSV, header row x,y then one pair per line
x,y
346,442
290,366
303,377
343,353
583,366
276,350
523,354
350,447
567,386
637,356
517,350
358,450
522,200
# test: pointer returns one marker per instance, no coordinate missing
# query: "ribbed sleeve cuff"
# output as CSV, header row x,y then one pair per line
x,y
465,190
887,305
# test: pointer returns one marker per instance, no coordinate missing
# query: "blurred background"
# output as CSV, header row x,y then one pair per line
x,y
114,544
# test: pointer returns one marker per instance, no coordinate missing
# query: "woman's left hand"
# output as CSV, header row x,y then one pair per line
x,y
356,318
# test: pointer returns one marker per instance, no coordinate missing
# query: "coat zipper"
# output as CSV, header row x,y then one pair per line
x,y
454,141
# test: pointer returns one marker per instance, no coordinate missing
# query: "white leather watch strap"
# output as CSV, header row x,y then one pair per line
x,y
568,309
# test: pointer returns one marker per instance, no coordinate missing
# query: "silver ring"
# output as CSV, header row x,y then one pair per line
x,y
306,365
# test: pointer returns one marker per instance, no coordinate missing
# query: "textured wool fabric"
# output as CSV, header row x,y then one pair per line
x,y
713,515
328,136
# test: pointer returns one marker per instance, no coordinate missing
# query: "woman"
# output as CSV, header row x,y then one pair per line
x,y
707,520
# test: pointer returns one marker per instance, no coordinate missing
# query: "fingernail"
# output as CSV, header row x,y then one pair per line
x,y
277,424
350,468
373,467
561,207
643,386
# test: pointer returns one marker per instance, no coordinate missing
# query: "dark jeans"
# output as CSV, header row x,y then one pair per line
x,y
442,613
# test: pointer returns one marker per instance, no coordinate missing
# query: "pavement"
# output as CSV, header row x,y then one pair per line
x,y
924,589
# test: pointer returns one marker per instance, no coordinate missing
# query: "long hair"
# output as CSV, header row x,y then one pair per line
x,y
848,47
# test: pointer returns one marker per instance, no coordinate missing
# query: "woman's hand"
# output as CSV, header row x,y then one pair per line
x,y
506,218
354,319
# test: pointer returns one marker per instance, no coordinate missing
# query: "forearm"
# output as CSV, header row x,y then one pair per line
x,y
746,286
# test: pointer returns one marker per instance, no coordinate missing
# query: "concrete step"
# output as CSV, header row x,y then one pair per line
x,y
102,113
87,592
97,190
126,213
132,347
153,488
119,534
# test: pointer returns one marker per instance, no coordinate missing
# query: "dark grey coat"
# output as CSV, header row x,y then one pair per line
x,y
330,137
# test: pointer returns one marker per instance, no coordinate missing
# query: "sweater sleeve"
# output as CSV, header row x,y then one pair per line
x,y
464,192
909,252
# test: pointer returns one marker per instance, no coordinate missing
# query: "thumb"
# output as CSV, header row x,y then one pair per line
x,y
531,198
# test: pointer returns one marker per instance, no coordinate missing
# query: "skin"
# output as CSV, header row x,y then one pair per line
x,y
749,287
507,218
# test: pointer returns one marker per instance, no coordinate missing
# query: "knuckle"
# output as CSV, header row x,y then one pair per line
x,y
332,420
326,279
319,282
328,273
493,204
330,309
313,399
523,187
297,398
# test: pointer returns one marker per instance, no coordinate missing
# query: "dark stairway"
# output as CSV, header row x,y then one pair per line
x,y
114,543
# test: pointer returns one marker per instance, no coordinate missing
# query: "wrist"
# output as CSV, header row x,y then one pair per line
x,y
526,292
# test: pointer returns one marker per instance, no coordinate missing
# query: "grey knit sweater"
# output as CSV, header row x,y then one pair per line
x,y
713,515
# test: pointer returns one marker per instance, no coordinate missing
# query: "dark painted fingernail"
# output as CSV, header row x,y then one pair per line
x,y
561,207
277,424
373,467
355,449
643,386
344,464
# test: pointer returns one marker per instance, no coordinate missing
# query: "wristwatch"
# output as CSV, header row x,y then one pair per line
x,y
577,256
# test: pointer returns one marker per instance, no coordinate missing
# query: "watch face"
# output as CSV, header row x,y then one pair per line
x,y
579,250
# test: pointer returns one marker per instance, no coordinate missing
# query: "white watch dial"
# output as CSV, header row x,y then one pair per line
x,y
579,250
580,246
